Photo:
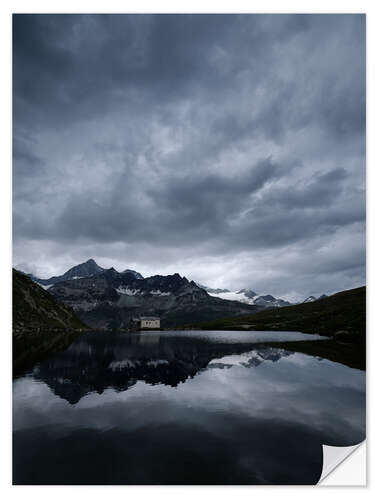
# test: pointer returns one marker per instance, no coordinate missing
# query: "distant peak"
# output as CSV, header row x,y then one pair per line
x,y
248,293
88,263
268,297
136,275
310,298
213,290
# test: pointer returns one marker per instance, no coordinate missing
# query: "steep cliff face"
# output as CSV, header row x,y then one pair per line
x,y
35,309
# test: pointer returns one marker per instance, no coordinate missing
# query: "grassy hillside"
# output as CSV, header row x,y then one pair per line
x,y
35,309
342,314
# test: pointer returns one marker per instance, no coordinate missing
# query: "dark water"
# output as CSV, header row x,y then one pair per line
x,y
182,408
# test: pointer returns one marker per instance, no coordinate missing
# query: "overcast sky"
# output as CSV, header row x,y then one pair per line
x,y
229,149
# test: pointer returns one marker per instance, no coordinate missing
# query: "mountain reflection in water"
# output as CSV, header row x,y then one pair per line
x,y
202,409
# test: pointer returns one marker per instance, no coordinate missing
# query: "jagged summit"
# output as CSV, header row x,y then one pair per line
x,y
88,268
84,270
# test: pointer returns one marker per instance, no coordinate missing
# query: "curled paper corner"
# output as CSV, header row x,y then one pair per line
x,y
333,456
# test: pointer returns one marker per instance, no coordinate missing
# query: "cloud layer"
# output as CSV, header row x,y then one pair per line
x,y
229,148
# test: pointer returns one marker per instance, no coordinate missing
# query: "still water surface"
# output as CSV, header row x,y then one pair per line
x,y
183,408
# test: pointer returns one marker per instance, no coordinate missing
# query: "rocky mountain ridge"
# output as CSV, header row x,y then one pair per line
x,y
247,296
106,298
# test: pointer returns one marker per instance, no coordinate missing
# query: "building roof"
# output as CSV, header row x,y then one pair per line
x,y
150,318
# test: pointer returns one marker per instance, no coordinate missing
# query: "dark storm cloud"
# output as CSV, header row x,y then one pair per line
x,y
159,138
201,205
84,61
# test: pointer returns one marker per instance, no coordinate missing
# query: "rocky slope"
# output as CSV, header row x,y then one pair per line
x,y
35,309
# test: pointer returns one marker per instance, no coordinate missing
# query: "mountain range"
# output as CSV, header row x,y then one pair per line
x,y
108,299
246,296
45,321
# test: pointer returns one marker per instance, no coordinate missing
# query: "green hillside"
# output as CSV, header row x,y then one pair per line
x,y
342,314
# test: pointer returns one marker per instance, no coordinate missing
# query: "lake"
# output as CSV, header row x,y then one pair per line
x,y
184,407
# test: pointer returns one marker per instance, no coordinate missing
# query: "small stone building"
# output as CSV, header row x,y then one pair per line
x,y
146,323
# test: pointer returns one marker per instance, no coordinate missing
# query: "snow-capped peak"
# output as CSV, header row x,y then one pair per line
x,y
247,296
311,298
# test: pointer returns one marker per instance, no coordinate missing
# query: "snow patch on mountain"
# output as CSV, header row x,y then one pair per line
x,y
127,291
157,362
247,296
160,293
45,286
124,363
238,296
212,291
